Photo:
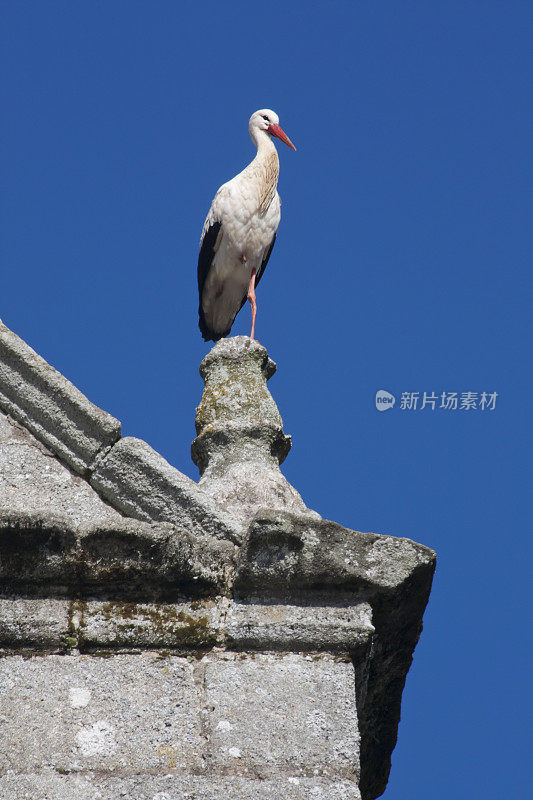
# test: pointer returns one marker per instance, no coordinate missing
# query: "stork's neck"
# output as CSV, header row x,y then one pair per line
x,y
262,141
263,171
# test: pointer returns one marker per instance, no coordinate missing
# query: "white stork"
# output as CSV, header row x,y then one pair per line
x,y
239,233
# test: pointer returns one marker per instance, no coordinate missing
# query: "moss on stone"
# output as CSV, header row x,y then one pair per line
x,y
166,621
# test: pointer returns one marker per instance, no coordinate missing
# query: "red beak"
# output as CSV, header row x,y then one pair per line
x,y
276,131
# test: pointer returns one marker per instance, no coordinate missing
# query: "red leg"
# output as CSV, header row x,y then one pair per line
x,y
251,298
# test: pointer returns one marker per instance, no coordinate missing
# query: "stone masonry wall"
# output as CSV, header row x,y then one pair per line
x,y
161,726
162,639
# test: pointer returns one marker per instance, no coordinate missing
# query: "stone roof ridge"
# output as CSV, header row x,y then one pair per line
x,y
42,400
126,472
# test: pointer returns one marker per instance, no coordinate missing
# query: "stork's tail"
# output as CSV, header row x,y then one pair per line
x,y
209,335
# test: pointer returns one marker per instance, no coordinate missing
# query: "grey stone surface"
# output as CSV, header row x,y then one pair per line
x,y
284,724
289,553
158,558
282,711
48,405
284,640
267,626
289,556
240,442
77,713
41,623
140,483
90,625
33,480
36,551
130,558
49,785
192,625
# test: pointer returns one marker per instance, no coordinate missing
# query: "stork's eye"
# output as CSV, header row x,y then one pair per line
x,y
265,117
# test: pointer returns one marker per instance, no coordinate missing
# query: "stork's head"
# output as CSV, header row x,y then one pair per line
x,y
267,120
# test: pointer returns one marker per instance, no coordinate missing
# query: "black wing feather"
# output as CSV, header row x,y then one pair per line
x,y
205,260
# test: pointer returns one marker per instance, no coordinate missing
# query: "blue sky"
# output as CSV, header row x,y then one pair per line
x,y
402,263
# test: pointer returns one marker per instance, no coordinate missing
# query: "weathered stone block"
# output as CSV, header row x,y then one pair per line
x,y
140,483
36,551
76,713
46,403
177,625
33,622
290,627
47,785
172,786
289,552
33,480
125,555
162,558
282,712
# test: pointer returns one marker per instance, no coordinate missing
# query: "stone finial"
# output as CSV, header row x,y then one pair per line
x,y
240,442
